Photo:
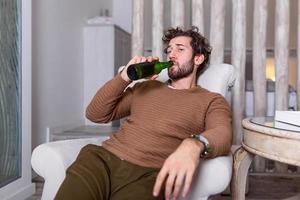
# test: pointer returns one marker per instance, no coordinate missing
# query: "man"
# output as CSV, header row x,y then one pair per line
x,y
156,148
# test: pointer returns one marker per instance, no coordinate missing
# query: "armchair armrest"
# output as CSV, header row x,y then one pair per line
x,y
50,161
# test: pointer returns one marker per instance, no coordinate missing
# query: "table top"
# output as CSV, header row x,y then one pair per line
x,y
262,137
270,123
268,126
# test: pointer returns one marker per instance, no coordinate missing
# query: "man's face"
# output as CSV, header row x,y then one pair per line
x,y
180,52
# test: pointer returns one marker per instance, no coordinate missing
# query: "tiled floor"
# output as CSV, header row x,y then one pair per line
x,y
260,188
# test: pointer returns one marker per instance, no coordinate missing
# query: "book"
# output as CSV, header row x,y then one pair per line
x,y
286,126
288,117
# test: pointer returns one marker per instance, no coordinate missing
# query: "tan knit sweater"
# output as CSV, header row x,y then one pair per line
x,y
159,118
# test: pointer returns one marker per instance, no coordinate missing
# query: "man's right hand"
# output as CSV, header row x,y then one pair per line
x,y
138,59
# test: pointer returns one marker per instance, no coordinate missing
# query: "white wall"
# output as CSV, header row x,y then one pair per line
x,y
122,13
57,83
22,187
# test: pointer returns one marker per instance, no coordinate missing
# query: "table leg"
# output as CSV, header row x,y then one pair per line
x,y
241,163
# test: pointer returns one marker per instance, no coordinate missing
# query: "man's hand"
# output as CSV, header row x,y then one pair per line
x,y
138,59
178,169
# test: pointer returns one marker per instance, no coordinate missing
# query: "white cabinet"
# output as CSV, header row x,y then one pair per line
x,y
106,48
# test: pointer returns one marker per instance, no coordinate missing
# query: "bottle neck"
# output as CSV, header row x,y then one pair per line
x,y
162,65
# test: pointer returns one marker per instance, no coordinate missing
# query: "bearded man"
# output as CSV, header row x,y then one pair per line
x,y
169,126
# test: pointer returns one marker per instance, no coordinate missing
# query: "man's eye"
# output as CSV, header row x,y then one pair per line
x,y
181,49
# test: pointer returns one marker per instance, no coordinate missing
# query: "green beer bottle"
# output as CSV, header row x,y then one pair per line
x,y
145,69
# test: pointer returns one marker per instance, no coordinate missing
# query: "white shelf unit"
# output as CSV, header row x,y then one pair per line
x,y
106,48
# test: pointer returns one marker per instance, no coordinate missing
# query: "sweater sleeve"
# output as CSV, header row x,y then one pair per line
x,y
218,127
111,102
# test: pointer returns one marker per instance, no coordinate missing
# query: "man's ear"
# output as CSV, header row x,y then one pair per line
x,y
198,59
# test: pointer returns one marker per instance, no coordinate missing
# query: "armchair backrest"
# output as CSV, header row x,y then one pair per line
x,y
217,78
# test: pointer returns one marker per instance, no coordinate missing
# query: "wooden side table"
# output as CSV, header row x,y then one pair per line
x,y
262,138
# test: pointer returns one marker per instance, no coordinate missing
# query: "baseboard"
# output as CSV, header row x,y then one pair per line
x,y
22,193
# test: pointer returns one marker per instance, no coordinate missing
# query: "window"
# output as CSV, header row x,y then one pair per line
x,y
10,91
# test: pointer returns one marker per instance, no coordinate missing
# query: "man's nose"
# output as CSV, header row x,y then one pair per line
x,y
172,55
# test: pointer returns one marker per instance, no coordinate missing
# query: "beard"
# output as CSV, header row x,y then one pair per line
x,y
181,71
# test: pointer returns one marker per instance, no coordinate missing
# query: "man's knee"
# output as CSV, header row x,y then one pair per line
x,y
89,172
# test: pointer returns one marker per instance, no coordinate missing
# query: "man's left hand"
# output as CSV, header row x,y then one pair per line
x,y
178,169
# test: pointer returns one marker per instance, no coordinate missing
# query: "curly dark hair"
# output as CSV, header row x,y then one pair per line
x,y
199,43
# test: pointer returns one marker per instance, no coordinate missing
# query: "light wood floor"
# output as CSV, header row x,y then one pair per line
x,y
260,188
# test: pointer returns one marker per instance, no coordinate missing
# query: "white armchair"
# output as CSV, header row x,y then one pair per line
x,y
50,160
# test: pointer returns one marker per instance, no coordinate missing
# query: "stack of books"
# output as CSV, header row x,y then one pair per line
x,y
289,120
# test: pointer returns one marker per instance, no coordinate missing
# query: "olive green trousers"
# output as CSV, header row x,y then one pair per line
x,y
98,174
